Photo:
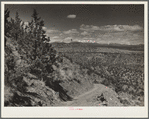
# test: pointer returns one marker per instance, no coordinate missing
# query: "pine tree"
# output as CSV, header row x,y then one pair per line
x,y
36,27
44,54
16,27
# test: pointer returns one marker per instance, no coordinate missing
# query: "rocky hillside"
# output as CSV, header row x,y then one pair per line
x,y
24,88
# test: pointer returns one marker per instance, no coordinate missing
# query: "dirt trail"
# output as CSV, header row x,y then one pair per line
x,y
90,98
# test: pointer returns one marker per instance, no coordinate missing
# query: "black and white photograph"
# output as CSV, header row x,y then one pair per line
x,y
74,55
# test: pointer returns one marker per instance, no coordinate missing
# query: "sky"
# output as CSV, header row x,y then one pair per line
x,y
122,24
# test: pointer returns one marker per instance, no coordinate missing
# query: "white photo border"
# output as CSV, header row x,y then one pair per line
x,y
87,112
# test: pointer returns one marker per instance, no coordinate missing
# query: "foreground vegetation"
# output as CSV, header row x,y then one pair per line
x,y
123,71
35,75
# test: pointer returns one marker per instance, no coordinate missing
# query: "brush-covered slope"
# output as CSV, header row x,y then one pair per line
x,y
23,87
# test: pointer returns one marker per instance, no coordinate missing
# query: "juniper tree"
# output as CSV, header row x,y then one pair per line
x,y
36,29
16,27
44,54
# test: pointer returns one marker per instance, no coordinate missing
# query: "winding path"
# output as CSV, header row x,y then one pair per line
x,y
88,98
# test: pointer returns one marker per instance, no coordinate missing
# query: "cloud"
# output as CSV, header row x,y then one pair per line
x,y
121,38
52,31
85,33
72,31
44,28
89,28
55,37
71,16
133,28
110,28
87,38
67,39
121,28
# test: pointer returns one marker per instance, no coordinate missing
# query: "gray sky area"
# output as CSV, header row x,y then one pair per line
x,y
123,24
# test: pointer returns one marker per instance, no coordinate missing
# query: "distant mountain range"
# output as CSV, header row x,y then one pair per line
x,y
139,47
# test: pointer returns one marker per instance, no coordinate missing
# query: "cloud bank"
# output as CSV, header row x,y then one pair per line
x,y
72,31
71,16
91,28
122,34
121,28
85,33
